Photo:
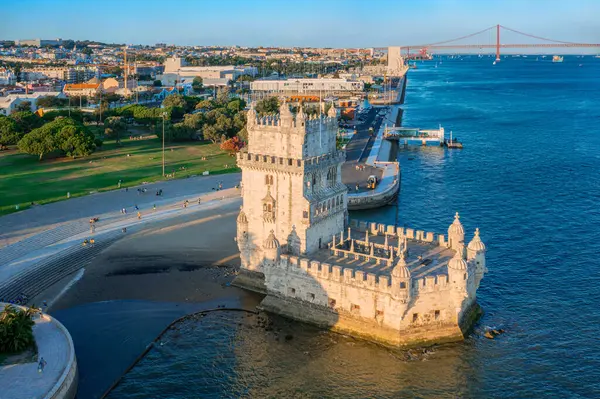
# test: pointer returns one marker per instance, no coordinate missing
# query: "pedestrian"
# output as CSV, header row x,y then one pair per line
x,y
154,207
42,363
93,228
92,242
357,187
139,215
126,189
199,201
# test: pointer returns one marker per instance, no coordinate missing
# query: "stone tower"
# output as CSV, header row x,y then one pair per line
x,y
291,187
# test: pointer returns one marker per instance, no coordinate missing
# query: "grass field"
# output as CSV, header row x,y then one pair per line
x,y
24,179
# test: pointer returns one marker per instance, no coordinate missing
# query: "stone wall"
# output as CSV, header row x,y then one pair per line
x,y
66,386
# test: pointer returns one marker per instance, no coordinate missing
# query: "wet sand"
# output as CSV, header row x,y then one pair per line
x,y
140,284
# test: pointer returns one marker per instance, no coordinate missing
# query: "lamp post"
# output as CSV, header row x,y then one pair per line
x,y
164,115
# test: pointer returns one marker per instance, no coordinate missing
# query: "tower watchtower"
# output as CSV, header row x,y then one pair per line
x,y
291,182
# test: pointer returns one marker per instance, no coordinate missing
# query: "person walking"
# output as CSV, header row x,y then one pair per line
x,y
154,207
139,215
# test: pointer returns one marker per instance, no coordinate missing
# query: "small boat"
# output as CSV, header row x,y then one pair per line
x,y
557,58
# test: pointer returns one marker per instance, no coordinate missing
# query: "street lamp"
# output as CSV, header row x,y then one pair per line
x,y
164,115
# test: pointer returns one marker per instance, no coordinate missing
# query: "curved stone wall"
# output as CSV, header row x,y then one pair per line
x,y
66,386
376,198
59,379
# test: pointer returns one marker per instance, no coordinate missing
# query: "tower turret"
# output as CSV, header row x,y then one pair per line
x,y
332,113
271,248
286,118
476,253
458,272
401,279
456,234
251,116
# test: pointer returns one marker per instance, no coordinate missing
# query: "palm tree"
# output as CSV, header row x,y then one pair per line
x,y
16,329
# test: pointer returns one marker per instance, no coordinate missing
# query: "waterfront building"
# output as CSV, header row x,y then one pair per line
x,y
307,86
178,66
394,285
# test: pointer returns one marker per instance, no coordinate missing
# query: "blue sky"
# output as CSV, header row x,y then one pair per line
x,y
324,23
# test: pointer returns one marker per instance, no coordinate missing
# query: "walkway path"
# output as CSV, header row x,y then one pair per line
x,y
35,263
20,225
55,346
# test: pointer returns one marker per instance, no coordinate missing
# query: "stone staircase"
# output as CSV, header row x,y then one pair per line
x,y
41,240
54,268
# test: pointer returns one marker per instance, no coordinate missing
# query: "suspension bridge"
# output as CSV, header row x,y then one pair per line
x,y
492,38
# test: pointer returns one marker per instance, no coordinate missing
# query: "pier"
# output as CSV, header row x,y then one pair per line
x,y
408,135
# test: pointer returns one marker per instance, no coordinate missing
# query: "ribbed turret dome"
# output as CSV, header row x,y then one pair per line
x,y
242,217
476,244
332,113
400,270
271,242
456,227
457,262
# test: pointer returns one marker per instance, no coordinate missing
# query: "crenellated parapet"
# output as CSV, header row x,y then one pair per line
x,y
292,165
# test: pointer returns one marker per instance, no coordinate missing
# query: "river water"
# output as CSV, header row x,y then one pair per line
x,y
528,177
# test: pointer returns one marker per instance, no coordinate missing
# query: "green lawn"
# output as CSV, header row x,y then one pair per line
x,y
24,179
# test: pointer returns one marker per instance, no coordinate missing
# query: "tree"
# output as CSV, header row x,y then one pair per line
x,y
223,96
236,105
157,83
73,142
174,100
211,133
23,106
115,125
197,83
206,105
233,145
51,101
64,136
243,135
267,106
87,51
16,329
26,120
9,131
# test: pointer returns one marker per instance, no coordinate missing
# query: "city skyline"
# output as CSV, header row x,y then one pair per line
x,y
287,24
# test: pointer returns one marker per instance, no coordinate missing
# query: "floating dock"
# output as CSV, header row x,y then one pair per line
x,y
415,136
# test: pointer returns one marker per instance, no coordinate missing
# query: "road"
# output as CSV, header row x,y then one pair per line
x,y
357,151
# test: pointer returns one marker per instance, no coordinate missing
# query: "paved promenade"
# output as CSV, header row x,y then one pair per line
x,y
55,249
17,226
56,347
355,170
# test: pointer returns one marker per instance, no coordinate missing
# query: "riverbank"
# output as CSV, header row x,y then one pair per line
x,y
131,291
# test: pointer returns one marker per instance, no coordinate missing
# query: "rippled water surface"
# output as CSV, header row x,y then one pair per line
x,y
529,177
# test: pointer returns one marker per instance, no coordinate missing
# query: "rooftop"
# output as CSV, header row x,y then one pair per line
x,y
424,259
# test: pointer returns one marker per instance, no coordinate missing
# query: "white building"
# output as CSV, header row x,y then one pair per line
x,y
7,77
178,66
10,102
306,85
394,285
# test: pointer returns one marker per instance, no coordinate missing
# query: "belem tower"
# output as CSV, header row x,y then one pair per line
x,y
393,285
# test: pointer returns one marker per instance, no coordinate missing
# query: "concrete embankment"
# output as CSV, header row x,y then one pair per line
x,y
383,156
